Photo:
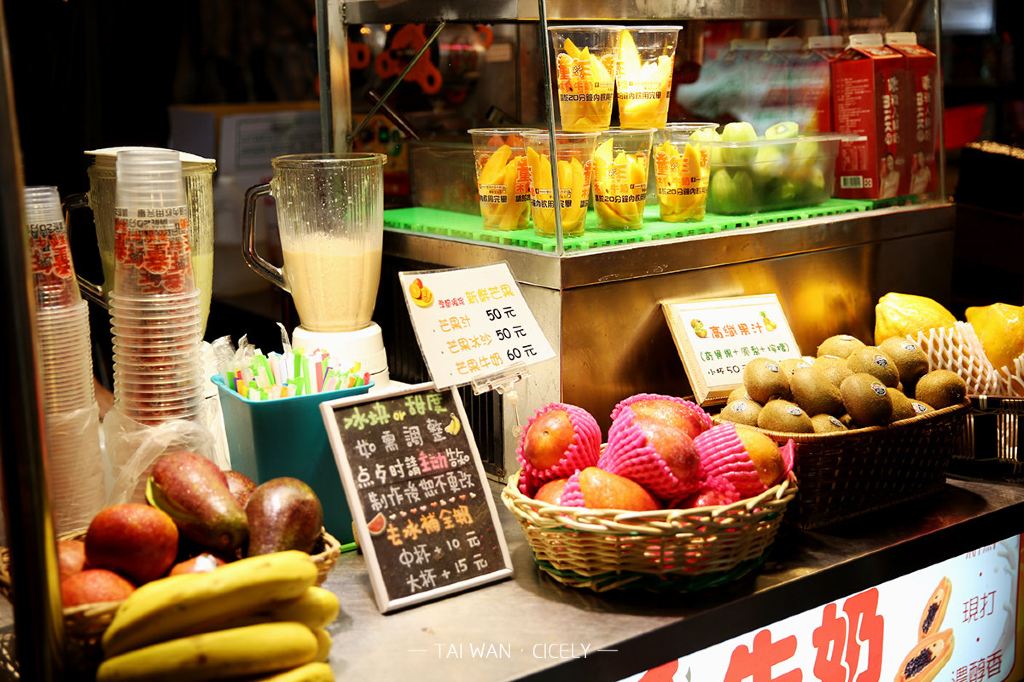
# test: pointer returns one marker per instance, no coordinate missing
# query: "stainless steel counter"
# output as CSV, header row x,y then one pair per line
x,y
525,621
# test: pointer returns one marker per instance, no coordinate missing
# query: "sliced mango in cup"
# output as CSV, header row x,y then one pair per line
x,y
681,179
620,187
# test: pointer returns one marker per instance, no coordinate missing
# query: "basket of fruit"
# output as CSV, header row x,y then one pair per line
x,y
861,444
670,503
198,518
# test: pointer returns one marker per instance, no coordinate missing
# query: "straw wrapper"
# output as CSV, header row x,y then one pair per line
x,y
959,350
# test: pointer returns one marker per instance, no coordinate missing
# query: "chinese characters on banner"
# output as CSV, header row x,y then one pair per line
x,y
422,506
717,338
872,636
472,323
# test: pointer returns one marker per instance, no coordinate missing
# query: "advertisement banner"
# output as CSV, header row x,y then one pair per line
x,y
955,621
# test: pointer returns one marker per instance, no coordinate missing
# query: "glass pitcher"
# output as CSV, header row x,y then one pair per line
x,y
198,176
330,215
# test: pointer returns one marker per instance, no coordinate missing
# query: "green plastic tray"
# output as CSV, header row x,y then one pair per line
x,y
469,227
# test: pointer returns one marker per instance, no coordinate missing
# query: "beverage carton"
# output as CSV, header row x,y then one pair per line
x,y
868,89
813,82
918,111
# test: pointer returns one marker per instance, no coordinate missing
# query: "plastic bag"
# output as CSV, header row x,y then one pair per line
x,y
76,467
132,448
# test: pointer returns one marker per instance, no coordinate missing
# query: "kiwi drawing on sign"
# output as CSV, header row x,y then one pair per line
x,y
934,648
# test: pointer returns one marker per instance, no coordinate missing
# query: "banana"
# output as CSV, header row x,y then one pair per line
x,y
316,608
215,655
311,672
171,607
323,644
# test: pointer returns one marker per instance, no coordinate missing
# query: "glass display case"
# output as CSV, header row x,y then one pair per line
x,y
783,212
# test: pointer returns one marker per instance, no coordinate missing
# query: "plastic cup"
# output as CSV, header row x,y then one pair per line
x,y
574,155
621,160
643,76
151,230
53,273
682,168
502,177
585,64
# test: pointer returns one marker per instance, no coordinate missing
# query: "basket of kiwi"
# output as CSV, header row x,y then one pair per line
x,y
873,427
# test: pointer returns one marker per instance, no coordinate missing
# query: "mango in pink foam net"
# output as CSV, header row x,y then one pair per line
x,y
669,409
659,456
559,440
747,459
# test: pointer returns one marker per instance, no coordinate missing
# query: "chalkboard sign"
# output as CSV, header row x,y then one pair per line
x,y
422,506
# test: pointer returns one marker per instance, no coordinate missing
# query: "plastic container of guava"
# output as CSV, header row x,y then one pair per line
x,y
773,175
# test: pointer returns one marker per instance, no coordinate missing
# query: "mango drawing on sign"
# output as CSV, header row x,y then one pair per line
x,y
698,329
454,426
420,294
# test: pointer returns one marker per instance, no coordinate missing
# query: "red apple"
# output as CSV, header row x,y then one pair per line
x,y
547,439
204,563
602,490
670,413
674,446
134,539
70,557
241,486
92,586
551,492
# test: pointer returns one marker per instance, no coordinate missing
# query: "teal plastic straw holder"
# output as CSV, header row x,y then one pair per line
x,y
286,437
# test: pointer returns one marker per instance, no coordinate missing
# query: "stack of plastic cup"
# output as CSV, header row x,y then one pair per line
x,y
65,366
154,307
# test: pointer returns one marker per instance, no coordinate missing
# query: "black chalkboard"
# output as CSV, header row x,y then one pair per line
x,y
415,485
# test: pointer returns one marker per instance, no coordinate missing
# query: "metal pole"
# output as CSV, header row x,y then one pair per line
x,y
38,624
323,61
549,100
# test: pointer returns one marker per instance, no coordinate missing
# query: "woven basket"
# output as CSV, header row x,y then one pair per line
x,y
851,473
678,550
84,625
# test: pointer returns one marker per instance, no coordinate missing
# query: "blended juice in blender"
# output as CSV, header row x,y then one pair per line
x,y
333,281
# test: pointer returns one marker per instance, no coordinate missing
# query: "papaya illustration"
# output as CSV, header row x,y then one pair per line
x,y
935,609
927,659
377,524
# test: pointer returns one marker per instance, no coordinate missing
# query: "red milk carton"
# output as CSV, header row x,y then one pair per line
x,y
815,88
919,106
868,88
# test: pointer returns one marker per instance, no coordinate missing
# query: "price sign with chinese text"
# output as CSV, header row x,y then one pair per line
x,y
419,498
472,323
969,605
716,338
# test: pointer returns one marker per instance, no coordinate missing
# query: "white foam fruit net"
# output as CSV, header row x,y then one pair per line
x,y
959,350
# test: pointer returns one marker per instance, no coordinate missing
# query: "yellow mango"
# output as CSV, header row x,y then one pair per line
x,y
494,169
571,49
574,187
682,182
1000,327
629,56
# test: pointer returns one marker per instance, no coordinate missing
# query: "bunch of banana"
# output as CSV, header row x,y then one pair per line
x,y
260,617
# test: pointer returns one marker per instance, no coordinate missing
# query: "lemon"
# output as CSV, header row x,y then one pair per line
x,y
1000,327
906,315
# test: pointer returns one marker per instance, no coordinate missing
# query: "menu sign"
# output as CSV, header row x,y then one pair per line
x,y
420,501
716,338
472,323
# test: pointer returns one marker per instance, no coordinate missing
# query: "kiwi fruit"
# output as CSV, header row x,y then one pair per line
x,y
866,400
826,423
742,411
738,393
765,380
901,405
840,346
871,360
940,389
813,391
782,415
834,368
911,362
790,365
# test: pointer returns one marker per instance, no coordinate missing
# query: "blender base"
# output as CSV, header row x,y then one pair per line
x,y
365,346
